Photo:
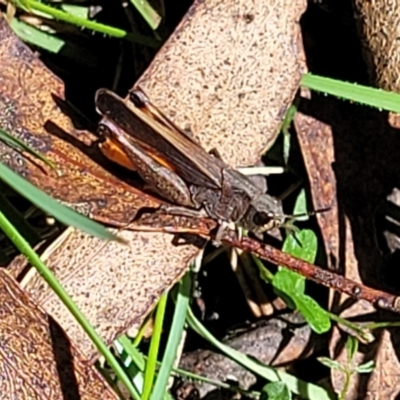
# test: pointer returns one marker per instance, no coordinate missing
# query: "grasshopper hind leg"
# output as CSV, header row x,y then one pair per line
x,y
182,211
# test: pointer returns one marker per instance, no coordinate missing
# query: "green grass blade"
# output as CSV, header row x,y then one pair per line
x,y
78,11
133,360
62,213
24,247
18,144
35,6
148,13
175,334
37,37
378,98
135,355
151,364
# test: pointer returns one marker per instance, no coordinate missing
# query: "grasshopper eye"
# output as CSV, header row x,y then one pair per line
x,y
263,218
266,221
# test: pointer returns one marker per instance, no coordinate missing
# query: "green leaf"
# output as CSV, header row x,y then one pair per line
x,y
333,364
291,286
275,391
301,204
351,347
129,350
36,7
290,113
134,362
289,282
305,247
366,368
315,315
63,214
286,133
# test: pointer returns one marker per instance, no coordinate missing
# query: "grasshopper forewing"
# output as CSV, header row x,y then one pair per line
x,y
189,159
139,99
154,170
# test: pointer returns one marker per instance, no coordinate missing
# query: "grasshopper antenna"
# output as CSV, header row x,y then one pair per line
x,y
289,226
295,217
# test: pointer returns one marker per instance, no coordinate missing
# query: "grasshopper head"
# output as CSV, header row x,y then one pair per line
x,y
264,214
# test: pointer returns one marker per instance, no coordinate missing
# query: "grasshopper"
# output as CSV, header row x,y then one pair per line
x,y
139,136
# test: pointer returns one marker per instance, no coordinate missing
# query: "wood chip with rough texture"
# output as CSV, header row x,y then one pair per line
x,y
114,285
229,73
316,141
37,358
379,30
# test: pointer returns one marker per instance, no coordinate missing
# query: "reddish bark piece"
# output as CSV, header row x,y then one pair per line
x,y
316,143
37,359
337,282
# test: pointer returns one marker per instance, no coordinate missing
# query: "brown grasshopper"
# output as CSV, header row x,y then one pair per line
x,y
141,137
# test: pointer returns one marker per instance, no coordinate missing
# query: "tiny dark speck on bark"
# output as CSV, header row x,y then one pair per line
x,y
248,18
